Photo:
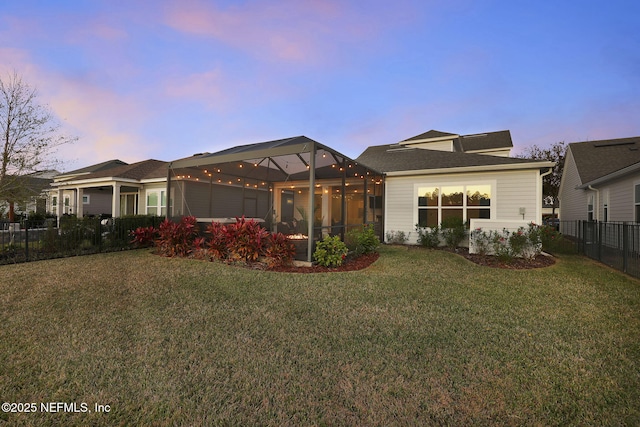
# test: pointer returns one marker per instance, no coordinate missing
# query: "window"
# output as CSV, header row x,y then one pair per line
x,y
85,200
590,208
54,204
156,202
637,202
605,206
436,203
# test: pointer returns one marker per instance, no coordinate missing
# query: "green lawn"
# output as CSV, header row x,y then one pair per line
x,y
420,338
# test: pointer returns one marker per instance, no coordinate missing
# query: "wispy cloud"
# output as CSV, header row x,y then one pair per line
x,y
307,32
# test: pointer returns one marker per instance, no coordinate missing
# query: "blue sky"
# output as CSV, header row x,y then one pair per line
x,y
165,79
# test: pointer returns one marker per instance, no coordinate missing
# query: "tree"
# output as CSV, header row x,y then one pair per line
x,y
551,182
29,137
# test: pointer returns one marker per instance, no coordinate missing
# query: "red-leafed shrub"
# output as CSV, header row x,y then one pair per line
x,y
144,236
279,251
176,239
218,240
246,240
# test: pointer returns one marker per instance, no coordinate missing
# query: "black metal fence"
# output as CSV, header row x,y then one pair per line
x,y
616,244
32,241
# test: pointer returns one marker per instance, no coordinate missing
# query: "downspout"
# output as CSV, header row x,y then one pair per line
x,y
596,208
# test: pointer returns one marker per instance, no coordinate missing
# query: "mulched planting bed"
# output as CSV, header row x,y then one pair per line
x,y
364,261
516,264
351,264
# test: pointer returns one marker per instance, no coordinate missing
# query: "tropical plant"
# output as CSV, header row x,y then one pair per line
x,y
279,250
176,239
144,236
246,240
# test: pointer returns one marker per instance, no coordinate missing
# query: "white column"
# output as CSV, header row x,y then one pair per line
x,y
79,204
60,204
115,202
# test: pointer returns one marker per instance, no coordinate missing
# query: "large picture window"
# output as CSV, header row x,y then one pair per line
x,y
437,203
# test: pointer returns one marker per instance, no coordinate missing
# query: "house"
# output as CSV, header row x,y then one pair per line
x,y
111,189
601,181
306,189
28,192
438,175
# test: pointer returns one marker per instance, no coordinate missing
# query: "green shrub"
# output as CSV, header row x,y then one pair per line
x,y
553,241
362,240
481,241
453,231
330,252
396,237
429,238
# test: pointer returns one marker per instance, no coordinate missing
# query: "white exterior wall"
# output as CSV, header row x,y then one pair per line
x,y
621,198
573,202
511,190
437,145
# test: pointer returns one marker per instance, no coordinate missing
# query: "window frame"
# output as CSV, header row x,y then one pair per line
x,y
636,201
161,209
465,207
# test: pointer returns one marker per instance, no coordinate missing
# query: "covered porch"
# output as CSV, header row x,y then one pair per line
x,y
296,186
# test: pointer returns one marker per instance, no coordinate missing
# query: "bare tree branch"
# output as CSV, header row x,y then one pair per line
x,y
29,136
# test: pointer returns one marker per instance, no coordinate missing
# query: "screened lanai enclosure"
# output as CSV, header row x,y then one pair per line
x,y
296,186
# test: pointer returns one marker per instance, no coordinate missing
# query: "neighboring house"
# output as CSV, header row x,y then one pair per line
x,y
601,181
437,175
30,192
110,189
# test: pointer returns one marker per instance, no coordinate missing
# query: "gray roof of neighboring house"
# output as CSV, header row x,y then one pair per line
x,y
145,169
597,159
96,168
390,158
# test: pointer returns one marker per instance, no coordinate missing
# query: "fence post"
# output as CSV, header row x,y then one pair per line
x,y
26,240
625,247
599,236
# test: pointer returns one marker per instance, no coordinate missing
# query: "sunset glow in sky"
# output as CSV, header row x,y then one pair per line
x,y
166,79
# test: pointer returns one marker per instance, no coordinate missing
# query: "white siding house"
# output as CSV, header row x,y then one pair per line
x,y
601,181
423,186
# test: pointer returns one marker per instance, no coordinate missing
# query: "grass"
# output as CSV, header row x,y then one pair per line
x,y
420,338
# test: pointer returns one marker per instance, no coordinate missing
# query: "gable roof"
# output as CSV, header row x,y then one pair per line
x,y
596,160
475,142
393,158
146,169
95,168
431,134
486,141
